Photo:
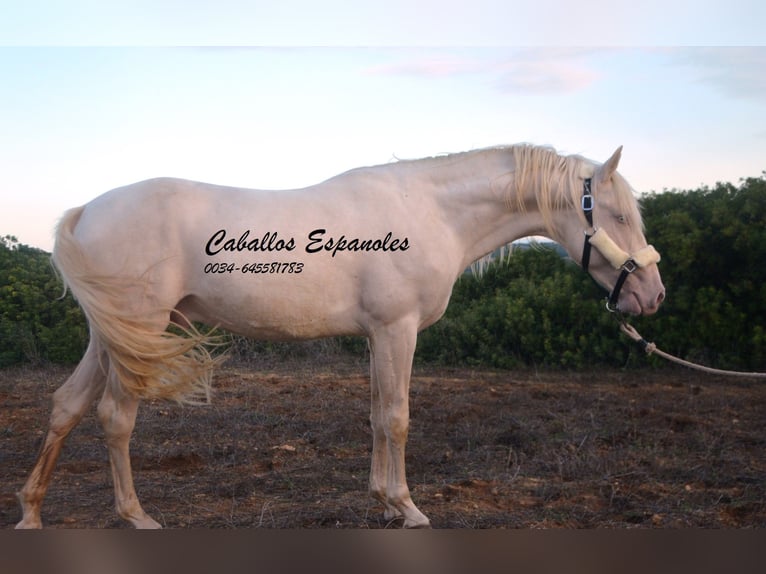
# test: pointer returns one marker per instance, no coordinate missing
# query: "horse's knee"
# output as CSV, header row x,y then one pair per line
x,y
105,411
66,412
72,399
115,421
396,428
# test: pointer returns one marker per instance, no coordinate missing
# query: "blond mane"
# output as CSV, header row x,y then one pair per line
x,y
557,180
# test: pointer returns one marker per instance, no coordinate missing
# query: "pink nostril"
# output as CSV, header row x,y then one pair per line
x,y
660,297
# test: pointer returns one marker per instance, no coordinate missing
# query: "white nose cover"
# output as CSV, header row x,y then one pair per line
x,y
617,257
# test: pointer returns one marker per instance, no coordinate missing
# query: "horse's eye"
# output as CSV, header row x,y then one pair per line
x,y
621,218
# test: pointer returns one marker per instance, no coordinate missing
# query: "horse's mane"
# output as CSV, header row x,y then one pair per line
x,y
557,181
556,178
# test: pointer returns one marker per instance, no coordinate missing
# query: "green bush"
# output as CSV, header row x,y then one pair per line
x,y
36,322
713,246
536,308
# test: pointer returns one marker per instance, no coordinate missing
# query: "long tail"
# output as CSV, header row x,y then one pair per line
x,y
171,364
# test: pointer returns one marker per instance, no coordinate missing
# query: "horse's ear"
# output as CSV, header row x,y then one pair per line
x,y
610,166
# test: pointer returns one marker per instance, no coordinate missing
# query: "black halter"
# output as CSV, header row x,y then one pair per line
x,y
587,208
627,268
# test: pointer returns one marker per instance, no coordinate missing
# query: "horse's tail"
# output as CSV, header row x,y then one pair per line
x,y
148,362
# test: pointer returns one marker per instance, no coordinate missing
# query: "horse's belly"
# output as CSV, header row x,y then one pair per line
x,y
276,312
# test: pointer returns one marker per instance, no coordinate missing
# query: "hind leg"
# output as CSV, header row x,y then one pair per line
x,y
70,401
117,412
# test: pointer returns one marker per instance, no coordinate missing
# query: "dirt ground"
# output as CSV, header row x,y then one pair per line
x,y
288,446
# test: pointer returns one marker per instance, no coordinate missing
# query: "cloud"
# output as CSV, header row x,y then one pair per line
x,y
516,71
430,66
737,72
544,76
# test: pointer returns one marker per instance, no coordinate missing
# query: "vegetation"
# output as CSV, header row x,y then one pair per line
x,y
534,308
713,245
37,322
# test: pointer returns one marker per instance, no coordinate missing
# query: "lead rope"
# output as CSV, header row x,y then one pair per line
x,y
651,348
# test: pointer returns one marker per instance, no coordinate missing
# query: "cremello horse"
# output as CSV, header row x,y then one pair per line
x,y
372,252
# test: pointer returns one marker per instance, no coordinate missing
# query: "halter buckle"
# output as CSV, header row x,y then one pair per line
x,y
630,266
587,202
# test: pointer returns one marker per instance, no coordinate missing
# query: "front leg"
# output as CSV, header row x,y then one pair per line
x,y
391,350
379,466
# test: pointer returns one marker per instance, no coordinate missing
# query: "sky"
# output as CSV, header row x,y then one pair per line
x,y
95,95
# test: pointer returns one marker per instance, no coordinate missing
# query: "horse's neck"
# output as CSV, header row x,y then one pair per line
x,y
474,201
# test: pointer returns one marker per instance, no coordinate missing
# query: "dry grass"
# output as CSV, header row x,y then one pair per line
x,y
288,447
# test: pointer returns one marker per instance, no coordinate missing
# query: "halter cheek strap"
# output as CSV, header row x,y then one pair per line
x,y
619,259
587,209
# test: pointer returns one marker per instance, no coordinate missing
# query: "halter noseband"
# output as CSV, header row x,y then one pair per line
x,y
619,259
